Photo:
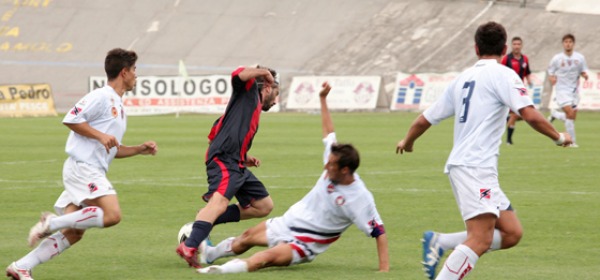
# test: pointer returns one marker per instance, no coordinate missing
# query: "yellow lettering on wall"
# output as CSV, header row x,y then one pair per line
x,y
46,3
8,31
36,47
64,47
8,14
21,47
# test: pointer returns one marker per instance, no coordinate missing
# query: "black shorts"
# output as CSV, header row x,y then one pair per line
x,y
229,179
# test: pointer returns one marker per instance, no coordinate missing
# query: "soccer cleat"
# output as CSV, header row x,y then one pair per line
x,y
551,118
431,253
203,254
573,146
190,255
213,269
16,273
509,143
41,229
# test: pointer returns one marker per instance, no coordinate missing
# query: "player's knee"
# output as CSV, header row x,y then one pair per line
x,y
264,208
112,218
512,238
73,235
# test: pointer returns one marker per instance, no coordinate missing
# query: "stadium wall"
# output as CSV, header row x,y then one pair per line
x,y
63,43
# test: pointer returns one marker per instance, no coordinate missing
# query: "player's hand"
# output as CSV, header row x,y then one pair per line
x,y
149,148
252,161
269,79
325,90
404,147
108,141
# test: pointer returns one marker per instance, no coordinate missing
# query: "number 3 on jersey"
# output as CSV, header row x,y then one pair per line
x,y
466,94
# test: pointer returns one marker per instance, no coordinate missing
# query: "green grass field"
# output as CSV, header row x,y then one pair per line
x,y
555,191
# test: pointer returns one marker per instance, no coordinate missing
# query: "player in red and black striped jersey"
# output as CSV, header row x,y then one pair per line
x,y
255,89
520,64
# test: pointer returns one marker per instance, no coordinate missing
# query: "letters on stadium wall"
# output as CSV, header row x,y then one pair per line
x,y
416,92
589,92
26,100
347,92
155,95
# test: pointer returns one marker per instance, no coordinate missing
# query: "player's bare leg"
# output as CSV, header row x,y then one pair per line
x,y
257,209
280,255
232,246
510,228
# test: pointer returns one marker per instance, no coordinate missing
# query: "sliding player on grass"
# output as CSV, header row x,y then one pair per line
x,y
338,200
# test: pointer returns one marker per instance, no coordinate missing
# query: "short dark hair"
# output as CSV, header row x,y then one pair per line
x,y
490,38
516,38
569,36
116,60
348,156
260,81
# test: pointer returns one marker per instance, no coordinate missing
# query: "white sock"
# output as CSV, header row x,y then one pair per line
x,y
83,219
48,248
559,115
449,241
570,126
496,241
234,266
459,264
223,249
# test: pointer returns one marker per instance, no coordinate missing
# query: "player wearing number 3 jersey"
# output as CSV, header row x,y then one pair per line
x,y
479,99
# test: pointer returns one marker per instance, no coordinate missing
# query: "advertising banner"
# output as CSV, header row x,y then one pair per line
x,y
26,100
418,91
154,95
347,92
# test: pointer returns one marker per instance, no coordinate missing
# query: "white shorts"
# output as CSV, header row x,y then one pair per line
x,y
303,251
566,99
477,191
82,181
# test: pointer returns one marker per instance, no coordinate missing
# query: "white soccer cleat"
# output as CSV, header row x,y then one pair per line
x,y
573,146
41,229
213,269
16,273
202,251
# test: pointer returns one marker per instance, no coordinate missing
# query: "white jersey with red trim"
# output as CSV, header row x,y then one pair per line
x,y
328,209
567,70
479,99
103,110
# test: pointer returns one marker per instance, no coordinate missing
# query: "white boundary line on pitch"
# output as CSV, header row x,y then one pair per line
x,y
27,161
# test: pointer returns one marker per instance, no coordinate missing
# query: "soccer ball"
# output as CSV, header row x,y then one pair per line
x,y
185,232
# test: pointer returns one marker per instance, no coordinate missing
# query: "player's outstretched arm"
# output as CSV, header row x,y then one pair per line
x,y
84,129
418,127
382,252
326,121
536,120
250,73
146,148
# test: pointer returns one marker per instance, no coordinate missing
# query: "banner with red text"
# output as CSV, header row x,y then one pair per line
x,y
26,100
154,95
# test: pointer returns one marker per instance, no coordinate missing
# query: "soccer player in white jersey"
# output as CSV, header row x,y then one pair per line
x,y
97,124
564,70
338,200
479,99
